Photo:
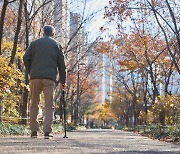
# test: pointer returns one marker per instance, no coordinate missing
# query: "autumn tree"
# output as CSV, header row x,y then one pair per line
x,y
144,51
153,17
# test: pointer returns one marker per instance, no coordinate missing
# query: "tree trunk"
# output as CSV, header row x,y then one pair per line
x,y
127,120
153,80
134,109
72,116
87,122
145,95
13,52
1,108
162,117
25,100
25,92
78,94
75,114
168,80
131,117
3,13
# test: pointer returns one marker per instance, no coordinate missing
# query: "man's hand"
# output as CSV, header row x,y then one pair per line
x,y
62,86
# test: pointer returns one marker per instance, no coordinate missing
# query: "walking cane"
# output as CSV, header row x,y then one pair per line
x,y
64,107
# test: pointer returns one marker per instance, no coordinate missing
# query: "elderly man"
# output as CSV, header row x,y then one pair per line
x,y
43,60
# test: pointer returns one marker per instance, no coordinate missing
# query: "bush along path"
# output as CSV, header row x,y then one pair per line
x,y
16,129
162,133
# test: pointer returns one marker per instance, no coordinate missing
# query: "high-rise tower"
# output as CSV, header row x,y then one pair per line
x,y
61,21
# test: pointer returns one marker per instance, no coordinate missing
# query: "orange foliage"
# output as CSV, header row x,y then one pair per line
x,y
103,47
130,65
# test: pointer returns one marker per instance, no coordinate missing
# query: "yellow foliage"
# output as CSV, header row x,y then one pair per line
x,y
104,112
8,76
171,107
146,118
7,46
11,80
19,54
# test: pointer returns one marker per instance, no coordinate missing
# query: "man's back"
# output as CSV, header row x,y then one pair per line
x,y
45,55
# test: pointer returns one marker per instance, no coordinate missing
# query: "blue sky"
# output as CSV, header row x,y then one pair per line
x,y
96,5
97,22
92,6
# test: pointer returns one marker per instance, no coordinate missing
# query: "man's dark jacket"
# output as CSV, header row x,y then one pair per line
x,y
42,59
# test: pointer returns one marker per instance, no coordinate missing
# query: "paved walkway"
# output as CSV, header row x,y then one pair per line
x,y
87,141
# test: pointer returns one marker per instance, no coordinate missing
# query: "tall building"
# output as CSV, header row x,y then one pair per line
x,y
105,78
62,21
78,37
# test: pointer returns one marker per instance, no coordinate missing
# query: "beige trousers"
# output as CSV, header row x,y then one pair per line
x,y
37,86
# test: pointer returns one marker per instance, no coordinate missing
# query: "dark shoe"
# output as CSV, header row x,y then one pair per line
x,y
48,135
34,134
